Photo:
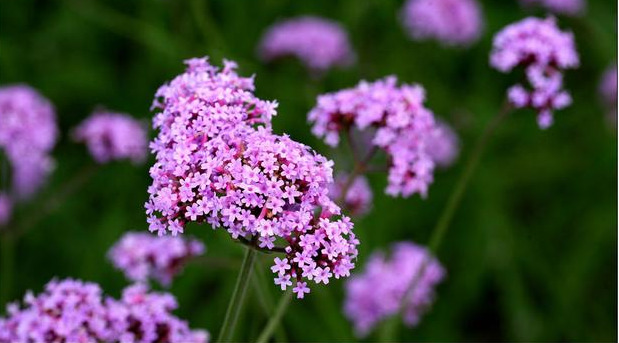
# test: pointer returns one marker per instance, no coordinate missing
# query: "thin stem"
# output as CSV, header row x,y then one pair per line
x,y
265,298
252,244
6,279
360,168
238,297
276,318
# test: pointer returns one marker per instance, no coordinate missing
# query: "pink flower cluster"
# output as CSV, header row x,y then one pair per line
x,y
443,145
402,123
214,166
568,7
608,90
358,198
76,311
378,292
28,133
6,208
142,256
319,43
113,136
451,22
544,51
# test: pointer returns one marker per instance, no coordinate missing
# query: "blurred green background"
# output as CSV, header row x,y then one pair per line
x,y
531,254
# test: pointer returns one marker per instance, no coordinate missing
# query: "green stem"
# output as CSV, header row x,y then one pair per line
x,y
238,297
265,298
276,318
6,273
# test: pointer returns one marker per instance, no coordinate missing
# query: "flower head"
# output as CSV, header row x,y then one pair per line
x,y
358,198
28,133
544,51
113,136
142,256
319,43
443,145
451,22
378,292
567,7
401,122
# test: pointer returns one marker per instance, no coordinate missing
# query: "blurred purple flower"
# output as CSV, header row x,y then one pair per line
x,y
544,51
358,199
75,311
319,43
113,136
142,256
6,208
608,91
378,292
28,133
567,7
403,126
451,22
443,145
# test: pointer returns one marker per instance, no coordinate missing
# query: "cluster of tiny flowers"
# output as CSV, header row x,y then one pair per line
x,y
568,7
402,125
76,311
6,208
358,199
320,44
113,136
378,293
28,133
544,51
608,91
142,256
443,145
451,22
215,166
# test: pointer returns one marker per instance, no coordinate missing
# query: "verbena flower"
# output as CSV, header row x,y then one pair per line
x,y
378,291
568,7
113,136
358,198
6,208
443,145
75,311
28,133
142,256
451,22
401,122
544,52
608,91
318,43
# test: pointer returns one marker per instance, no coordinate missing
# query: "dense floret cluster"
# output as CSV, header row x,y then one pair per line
x,y
443,145
378,292
451,22
75,311
28,133
113,136
402,123
318,43
544,51
142,256
358,199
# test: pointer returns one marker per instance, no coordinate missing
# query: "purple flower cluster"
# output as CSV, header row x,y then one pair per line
x,y
6,208
443,145
28,133
142,256
451,22
568,7
378,292
608,91
358,198
113,136
76,311
402,123
215,166
544,51
319,43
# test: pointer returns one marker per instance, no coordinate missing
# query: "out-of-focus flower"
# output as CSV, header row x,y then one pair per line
x,y
75,311
142,256
443,145
402,123
451,22
358,198
113,136
378,292
544,51
567,7
6,208
608,91
319,43
28,133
